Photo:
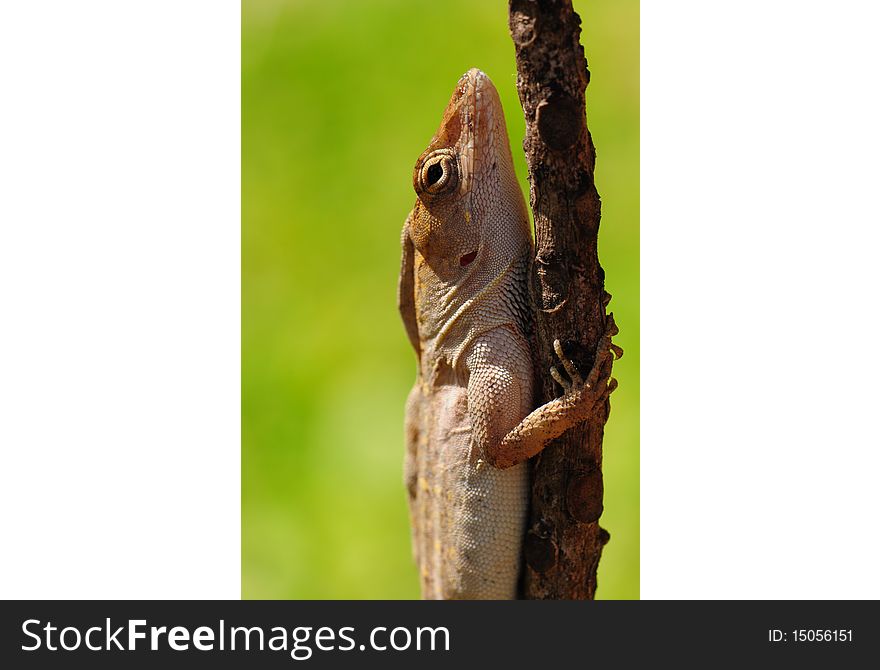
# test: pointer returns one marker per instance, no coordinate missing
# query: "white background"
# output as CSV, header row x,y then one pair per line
x,y
760,170
120,321
119,299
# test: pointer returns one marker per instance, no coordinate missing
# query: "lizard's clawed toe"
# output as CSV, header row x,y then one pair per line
x,y
559,379
569,366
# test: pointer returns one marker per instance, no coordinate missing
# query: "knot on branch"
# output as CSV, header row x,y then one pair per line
x,y
559,119
584,494
523,22
540,549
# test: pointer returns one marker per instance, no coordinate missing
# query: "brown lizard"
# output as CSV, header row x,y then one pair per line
x,y
463,295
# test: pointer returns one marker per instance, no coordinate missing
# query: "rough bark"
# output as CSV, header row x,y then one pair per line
x,y
563,539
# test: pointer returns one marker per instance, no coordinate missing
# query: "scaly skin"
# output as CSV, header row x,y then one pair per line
x,y
463,296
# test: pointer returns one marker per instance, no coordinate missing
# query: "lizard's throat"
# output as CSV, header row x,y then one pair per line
x,y
450,321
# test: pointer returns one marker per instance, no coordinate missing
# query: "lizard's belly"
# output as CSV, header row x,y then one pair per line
x,y
472,515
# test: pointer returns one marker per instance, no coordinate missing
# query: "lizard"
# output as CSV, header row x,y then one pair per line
x,y
470,423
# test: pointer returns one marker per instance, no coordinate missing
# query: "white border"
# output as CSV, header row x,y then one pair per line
x,y
759,222
119,268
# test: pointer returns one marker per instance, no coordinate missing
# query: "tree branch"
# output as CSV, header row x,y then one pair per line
x,y
563,540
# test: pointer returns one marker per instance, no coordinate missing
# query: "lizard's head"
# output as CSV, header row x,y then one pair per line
x,y
466,184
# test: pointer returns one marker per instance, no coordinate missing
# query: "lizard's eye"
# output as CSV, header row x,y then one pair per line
x,y
437,173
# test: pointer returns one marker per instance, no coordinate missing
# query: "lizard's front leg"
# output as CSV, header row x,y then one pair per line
x,y
550,420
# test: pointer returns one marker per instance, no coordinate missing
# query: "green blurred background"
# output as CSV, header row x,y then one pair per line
x,y
338,100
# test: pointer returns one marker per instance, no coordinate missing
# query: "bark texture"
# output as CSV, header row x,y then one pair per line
x,y
563,540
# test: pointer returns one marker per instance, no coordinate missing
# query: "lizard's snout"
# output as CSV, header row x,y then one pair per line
x,y
474,81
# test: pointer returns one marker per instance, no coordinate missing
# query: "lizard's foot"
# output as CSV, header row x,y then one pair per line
x,y
579,402
599,384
